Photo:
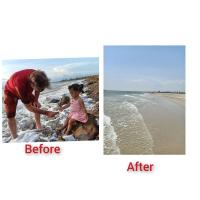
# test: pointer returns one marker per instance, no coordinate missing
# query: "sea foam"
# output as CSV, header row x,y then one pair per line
x,y
135,129
110,137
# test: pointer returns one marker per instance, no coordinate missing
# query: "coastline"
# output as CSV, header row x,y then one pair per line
x,y
144,123
92,91
48,99
175,97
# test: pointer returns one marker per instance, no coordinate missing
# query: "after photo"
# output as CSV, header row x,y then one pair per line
x,y
144,100
49,100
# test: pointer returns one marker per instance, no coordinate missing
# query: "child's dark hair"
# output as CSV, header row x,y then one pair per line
x,y
76,87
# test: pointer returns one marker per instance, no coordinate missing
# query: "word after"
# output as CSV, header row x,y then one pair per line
x,y
138,166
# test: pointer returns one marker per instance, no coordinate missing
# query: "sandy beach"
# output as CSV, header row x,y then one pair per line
x,y
178,98
144,123
25,120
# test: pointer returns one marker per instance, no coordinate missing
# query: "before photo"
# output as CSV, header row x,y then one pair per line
x,y
48,100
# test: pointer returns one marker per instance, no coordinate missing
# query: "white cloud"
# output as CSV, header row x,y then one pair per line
x,y
146,85
56,72
70,70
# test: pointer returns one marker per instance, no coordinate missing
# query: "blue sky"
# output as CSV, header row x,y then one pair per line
x,y
144,68
56,69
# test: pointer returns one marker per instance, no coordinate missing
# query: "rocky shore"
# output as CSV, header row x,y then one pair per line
x,y
92,91
49,100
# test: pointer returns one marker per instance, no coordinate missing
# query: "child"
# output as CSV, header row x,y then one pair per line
x,y
78,111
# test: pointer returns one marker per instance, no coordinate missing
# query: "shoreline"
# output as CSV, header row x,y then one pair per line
x,y
92,91
25,120
136,116
178,98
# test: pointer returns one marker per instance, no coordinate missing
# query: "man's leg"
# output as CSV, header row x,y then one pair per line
x,y
13,127
10,104
37,121
37,117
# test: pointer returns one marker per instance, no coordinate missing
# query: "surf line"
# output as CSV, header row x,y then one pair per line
x,y
139,166
41,149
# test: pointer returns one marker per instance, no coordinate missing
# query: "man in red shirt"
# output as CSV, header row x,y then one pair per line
x,y
21,85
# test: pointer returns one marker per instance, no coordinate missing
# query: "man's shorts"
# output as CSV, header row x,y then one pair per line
x,y
10,104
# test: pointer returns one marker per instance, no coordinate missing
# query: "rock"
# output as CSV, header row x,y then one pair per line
x,y
52,123
26,123
95,109
92,90
4,122
54,99
69,138
53,139
6,137
87,131
60,138
43,139
89,100
28,136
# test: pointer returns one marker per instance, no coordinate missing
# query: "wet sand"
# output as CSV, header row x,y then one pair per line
x,y
177,98
148,123
166,122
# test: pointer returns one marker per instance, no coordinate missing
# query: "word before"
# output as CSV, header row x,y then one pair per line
x,y
138,166
41,149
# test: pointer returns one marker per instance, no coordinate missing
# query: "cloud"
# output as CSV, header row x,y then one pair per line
x,y
62,71
154,84
70,70
58,70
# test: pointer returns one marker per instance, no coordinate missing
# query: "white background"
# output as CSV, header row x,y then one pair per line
x,y
45,29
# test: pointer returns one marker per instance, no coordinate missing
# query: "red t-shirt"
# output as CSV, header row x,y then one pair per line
x,y
19,85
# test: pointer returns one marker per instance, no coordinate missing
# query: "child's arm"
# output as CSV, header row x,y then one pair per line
x,y
83,106
64,107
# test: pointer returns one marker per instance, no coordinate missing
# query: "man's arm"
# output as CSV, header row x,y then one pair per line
x,y
34,109
37,94
40,111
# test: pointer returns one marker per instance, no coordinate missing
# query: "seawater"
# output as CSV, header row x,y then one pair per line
x,y
25,119
125,131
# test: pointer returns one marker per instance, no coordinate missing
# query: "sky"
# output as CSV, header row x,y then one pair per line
x,y
57,69
144,68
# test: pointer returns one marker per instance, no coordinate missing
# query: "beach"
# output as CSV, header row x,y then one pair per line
x,y
48,100
144,123
176,97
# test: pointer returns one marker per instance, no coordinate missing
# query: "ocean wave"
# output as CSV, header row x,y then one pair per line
x,y
132,96
135,128
110,137
141,99
25,119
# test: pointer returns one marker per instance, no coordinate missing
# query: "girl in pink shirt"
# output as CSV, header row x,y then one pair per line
x,y
78,111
